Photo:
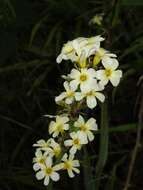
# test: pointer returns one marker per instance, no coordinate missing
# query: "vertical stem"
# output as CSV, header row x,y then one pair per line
x,y
87,170
50,186
137,145
103,151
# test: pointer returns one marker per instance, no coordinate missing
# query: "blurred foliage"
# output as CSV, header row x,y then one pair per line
x,y
31,36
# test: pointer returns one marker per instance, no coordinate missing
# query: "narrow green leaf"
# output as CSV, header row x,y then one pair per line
x,y
35,30
132,2
112,179
51,35
136,46
120,128
15,122
11,8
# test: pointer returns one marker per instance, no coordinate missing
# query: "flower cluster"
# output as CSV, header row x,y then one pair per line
x,y
94,68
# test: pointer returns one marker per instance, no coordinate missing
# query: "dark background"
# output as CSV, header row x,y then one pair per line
x,y
32,33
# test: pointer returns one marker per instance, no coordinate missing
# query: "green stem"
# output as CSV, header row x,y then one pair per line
x,y
137,145
87,171
103,151
50,186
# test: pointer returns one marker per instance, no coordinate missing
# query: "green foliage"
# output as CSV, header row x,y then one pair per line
x,y
31,36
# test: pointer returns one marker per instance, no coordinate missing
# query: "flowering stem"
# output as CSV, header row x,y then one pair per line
x,y
137,145
87,171
50,186
103,152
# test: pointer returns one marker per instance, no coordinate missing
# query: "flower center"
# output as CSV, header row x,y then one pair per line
x,y
83,127
57,151
70,93
68,49
41,161
45,145
67,165
83,77
60,127
108,72
48,171
76,142
91,93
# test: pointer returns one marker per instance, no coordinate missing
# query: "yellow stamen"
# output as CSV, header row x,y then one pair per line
x,y
70,93
57,151
68,49
41,161
48,170
83,127
60,127
108,72
83,77
67,165
91,93
76,142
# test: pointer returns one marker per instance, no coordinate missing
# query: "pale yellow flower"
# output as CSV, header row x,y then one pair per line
x,y
76,142
86,128
85,78
56,148
109,73
97,19
59,126
39,160
102,55
91,95
70,165
48,172
68,95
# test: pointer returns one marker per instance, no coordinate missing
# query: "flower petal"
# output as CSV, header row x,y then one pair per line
x,y
59,58
38,153
76,163
90,136
73,150
71,174
68,142
74,84
100,96
40,175
69,100
110,63
66,126
55,176
66,85
46,180
49,161
83,137
79,96
58,167
60,97
36,167
76,170
91,102
74,73
65,156
100,74
115,78
92,124
91,72
64,119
